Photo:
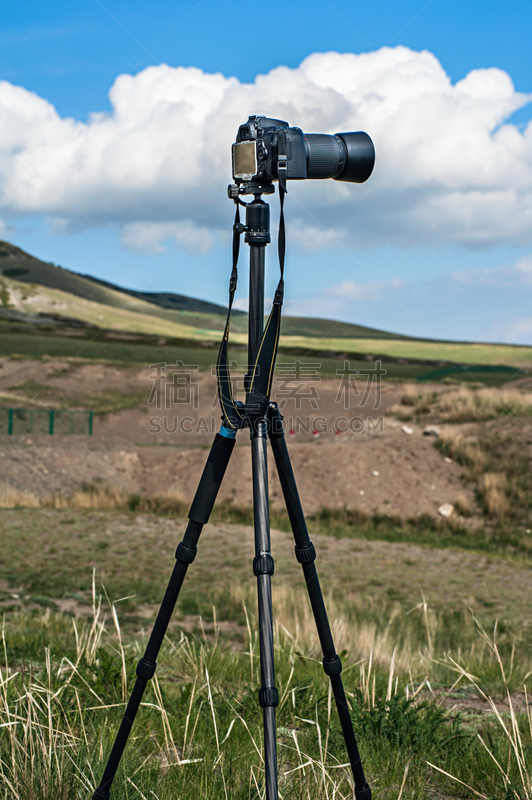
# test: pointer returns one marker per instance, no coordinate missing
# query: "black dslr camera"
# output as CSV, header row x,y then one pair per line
x,y
268,149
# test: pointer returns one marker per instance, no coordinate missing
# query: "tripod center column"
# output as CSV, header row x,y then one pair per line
x,y
257,236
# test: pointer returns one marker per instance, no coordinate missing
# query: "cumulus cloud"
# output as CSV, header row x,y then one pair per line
x,y
519,331
338,301
449,167
147,237
315,237
5,229
508,276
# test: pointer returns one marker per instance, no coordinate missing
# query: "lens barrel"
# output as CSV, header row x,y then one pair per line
x,y
346,157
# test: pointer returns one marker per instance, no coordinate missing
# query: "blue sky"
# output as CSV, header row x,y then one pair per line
x,y
376,256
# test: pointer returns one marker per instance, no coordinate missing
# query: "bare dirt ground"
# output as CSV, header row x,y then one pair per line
x,y
361,458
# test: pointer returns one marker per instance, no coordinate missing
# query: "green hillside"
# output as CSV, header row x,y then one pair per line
x,y
171,300
309,326
42,301
20,266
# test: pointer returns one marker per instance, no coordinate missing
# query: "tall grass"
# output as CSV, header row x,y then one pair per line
x,y
465,404
199,729
103,498
499,468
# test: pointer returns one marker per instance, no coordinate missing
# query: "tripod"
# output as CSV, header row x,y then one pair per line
x,y
264,421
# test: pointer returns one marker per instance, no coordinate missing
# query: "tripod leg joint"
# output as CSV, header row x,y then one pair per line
x,y
332,667
99,795
305,554
185,554
268,696
364,793
145,670
263,564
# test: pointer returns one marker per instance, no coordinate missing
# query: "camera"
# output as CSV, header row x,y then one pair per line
x,y
264,146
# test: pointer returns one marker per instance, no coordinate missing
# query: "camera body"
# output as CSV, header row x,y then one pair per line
x,y
264,146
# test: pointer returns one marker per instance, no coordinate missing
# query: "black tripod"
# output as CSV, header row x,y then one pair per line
x,y
265,421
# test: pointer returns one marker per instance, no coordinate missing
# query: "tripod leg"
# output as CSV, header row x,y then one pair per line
x,y
306,554
263,569
200,511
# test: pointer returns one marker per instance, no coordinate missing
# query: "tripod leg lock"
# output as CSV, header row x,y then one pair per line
x,y
263,564
364,793
332,667
145,670
185,554
268,696
305,554
99,795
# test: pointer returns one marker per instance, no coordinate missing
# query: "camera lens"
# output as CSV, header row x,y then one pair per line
x,y
360,157
345,156
324,155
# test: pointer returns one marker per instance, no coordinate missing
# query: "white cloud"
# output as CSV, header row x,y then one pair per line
x,y
508,276
147,237
6,229
242,304
312,237
338,301
519,331
448,167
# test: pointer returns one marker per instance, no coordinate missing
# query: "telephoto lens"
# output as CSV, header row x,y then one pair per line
x,y
342,156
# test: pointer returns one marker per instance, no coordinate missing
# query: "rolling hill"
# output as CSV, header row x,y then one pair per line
x,y
41,299
16,264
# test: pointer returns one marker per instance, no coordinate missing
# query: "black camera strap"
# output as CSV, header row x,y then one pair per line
x,y
235,415
231,414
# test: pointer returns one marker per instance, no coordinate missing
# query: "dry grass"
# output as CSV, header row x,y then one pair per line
x,y
56,724
463,405
463,506
106,498
515,734
465,451
40,735
411,396
493,486
103,499
367,642
12,498
46,738
499,469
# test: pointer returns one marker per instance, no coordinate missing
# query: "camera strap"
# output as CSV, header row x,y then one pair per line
x,y
235,415
231,414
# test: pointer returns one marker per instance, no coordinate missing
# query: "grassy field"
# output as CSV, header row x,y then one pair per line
x,y
432,617
461,352
410,624
27,345
100,347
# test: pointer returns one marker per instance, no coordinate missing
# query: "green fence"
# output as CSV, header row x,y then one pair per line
x,y
15,421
